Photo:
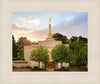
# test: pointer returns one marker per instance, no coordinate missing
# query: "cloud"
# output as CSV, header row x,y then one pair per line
x,y
17,28
72,26
70,18
30,20
35,35
76,25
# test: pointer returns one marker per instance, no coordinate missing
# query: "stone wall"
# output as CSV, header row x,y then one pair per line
x,y
49,43
20,64
64,65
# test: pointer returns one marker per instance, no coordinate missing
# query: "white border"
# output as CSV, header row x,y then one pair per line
x,y
9,77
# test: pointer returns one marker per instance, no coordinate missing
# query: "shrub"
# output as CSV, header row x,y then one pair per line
x,y
42,69
19,67
62,69
14,58
36,67
21,62
28,67
74,65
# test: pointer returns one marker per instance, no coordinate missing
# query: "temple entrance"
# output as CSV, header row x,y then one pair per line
x,y
50,64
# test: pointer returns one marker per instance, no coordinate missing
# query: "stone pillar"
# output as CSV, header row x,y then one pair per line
x,y
49,33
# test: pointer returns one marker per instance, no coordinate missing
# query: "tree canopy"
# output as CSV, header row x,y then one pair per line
x,y
82,57
40,55
60,37
14,48
20,54
73,38
22,41
79,48
59,53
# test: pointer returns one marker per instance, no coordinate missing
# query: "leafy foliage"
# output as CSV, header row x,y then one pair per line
x,y
18,47
82,57
59,53
73,38
20,54
14,48
60,37
39,54
79,50
70,57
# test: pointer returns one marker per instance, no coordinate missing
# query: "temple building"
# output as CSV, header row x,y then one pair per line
x,y
49,43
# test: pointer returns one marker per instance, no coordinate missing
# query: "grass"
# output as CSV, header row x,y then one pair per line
x,y
28,67
76,67
37,68
19,67
72,67
22,67
20,62
62,69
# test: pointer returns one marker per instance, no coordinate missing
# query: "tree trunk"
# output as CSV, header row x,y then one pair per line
x,y
54,65
39,64
45,65
61,64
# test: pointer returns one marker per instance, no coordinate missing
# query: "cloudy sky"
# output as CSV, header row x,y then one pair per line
x,y
34,26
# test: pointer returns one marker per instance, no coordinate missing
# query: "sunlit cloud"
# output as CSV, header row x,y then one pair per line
x,y
29,26
35,35
30,20
19,29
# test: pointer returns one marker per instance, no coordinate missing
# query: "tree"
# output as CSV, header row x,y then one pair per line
x,y
60,53
73,38
39,54
72,46
22,41
60,37
83,39
70,57
82,58
77,48
20,54
45,57
14,48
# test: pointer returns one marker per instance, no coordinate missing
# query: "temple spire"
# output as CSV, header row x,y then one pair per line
x,y
49,33
50,20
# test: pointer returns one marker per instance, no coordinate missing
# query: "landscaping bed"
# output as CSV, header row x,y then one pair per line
x,y
28,68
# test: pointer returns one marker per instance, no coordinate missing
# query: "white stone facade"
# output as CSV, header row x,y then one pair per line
x,y
49,43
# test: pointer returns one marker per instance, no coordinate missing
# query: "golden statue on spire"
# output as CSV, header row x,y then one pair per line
x,y
50,20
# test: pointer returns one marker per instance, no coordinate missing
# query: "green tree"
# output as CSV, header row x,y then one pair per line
x,y
20,54
60,37
70,57
77,47
22,41
73,38
39,54
82,57
72,46
82,39
14,48
59,53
